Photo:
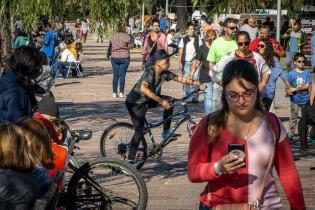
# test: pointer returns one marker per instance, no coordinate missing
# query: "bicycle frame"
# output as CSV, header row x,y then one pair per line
x,y
182,116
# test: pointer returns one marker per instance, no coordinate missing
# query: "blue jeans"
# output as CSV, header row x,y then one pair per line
x,y
190,88
120,66
63,68
208,102
289,56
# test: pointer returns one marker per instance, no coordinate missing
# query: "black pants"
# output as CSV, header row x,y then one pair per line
x,y
308,118
267,103
137,113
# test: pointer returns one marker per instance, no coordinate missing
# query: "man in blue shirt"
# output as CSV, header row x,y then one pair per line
x,y
300,81
49,42
163,23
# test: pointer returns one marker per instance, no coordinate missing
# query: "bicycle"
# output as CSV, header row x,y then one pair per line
x,y
103,183
115,139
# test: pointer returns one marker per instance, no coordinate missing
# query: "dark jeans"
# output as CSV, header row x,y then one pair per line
x,y
137,113
63,68
120,66
267,103
308,118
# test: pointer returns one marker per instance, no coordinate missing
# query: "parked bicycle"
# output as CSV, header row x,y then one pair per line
x,y
115,139
103,183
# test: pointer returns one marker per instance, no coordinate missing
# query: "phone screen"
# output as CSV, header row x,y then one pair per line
x,y
238,150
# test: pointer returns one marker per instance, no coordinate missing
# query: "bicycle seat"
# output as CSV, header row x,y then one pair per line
x,y
84,134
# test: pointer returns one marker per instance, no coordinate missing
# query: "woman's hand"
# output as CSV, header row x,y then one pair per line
x,y
230,163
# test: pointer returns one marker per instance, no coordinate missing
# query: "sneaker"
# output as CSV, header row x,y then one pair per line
x,y
114,95
121,95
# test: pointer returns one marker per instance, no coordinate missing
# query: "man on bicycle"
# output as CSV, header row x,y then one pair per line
x,y
145,94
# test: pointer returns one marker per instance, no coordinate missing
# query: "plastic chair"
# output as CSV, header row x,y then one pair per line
x,y
76,66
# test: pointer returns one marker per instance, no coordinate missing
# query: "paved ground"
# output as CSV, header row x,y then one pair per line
x,y
87,103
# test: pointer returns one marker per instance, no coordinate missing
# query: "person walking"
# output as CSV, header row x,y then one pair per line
x,y
188,46
265,32
153,42
300,80
243,52
201,59
265,49
235,149
219,48
118,50
296,40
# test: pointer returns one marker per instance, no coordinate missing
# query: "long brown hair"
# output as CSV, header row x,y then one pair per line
x,y
269,54
14,151
40,143
237,69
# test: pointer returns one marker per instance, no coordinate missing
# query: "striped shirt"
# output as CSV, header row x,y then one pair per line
x,y
120,44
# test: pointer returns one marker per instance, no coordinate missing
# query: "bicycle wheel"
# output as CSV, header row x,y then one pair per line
x,y
123,185
115,143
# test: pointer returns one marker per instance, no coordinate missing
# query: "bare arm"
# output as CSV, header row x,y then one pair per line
x,y
264,81
300,88
287,87
194,67
144,88
180,56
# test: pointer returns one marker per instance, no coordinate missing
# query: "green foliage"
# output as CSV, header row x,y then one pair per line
x,y
243,6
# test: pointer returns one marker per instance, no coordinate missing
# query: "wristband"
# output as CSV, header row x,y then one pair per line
x,y
216,169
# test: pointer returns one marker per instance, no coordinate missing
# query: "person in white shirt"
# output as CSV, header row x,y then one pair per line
x,y
187,53
67,58
172,47
250,28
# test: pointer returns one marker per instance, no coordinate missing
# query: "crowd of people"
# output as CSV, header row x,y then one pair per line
x,y
237,67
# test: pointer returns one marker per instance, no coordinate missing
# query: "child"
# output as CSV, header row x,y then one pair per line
x,y
300,81
40,149
61,128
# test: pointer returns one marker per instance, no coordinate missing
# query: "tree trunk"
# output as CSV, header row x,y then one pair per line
x,y
5,35
181,13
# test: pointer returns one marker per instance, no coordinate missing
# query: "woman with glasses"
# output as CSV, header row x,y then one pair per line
x,y
259,140
266,50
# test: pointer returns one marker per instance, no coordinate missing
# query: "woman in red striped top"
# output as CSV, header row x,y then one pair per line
x,y
242,120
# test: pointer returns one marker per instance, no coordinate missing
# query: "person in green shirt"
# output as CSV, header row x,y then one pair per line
x,y
220,47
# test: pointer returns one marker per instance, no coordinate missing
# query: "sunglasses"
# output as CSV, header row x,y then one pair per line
x,y
261,46
299,61
232,28
243,43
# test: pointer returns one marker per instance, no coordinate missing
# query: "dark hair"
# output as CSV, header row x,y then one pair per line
x,y
61,127
265,26
48,25
155,21
26,61
158,55
189,24
240,33
299,55
172,30
236,69
229,20
269,52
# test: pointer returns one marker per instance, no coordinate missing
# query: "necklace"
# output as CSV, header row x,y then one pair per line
x,y
250,126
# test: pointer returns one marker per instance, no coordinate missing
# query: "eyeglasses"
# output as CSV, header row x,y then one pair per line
x,y
235,97
243,43
299,61
233,28
261,46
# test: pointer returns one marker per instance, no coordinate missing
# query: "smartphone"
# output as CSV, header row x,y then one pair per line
x,y
238,150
